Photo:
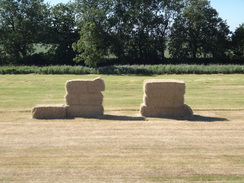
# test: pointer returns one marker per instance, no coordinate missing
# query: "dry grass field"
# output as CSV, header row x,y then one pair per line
x,y
122,146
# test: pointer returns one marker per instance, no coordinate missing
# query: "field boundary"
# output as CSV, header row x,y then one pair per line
x,y
126,69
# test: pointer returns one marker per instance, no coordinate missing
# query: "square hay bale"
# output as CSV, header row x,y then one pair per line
x,y
97,84
49,112
187,110
84,111
184,111
162,87
85,86
72,99
94,99
76,87
164,101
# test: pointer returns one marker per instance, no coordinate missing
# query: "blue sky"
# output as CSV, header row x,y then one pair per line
x,y
230,10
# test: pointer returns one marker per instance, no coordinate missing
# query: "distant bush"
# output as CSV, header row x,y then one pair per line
x,y
126,69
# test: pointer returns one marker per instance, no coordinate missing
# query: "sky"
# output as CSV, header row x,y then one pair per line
x,y
229,10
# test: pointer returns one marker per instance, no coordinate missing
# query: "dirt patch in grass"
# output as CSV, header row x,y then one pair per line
x,y
122,147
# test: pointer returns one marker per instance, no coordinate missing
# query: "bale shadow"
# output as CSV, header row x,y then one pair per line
x,y
199,118
104,117
195,118
121,118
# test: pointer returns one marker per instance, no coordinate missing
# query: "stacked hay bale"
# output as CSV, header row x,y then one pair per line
x,y
84,98
164,98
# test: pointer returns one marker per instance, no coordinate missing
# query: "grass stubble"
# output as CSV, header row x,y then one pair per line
x,y
122,146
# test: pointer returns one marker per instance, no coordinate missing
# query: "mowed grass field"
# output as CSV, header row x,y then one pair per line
x,y
122,146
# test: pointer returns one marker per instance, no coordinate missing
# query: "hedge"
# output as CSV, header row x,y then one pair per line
x,y
126,69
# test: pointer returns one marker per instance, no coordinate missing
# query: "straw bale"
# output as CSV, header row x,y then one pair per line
x,y
72,99
94,99
84,111
49,112
91,99
164,101
82,86
97,84
77,86
162,87
188,110
184,111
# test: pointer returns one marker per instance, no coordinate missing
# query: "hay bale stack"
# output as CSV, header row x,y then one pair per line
x,y
49,112
164,98
84,98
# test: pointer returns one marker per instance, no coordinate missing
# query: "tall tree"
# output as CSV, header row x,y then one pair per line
x,y
141,27
198,32
62,33
129,30
21,25
238,42
134,26
93,45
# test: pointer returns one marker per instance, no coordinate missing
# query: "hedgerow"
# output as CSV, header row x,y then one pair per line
x,y
126,69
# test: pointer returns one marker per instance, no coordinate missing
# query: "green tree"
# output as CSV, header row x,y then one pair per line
x,y
129,30
238,42
132,30
21,25
62,32
141,28
93,45
198,31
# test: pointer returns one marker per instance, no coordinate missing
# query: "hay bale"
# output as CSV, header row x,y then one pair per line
x,y
91,99
81,86
49,112
84,97
183,111
77,86
94,99
164,98
163,101
72,99
187,110
84,111
163,87
97,84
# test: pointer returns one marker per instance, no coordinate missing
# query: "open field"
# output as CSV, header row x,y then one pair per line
x,y
122,146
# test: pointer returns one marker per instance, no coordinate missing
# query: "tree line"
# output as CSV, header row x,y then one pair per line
x,y
94,33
